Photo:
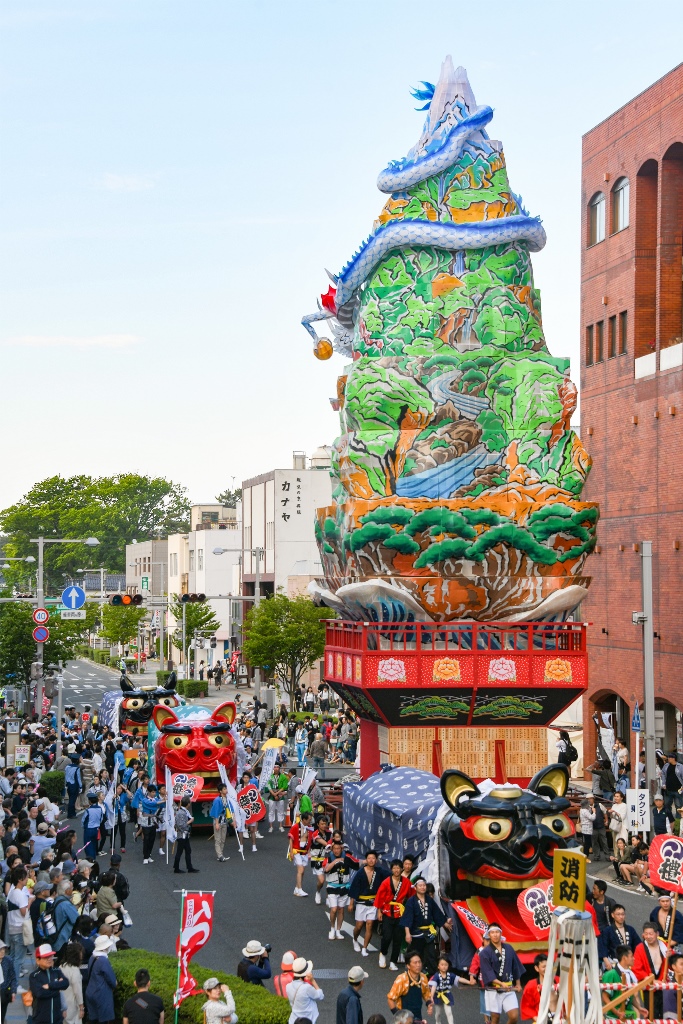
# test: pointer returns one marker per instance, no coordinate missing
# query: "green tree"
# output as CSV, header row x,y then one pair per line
x,y
229,498
120,622
115,509
287,635
199,615
17,646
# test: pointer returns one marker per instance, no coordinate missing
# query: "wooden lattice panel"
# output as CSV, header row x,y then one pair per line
x,y
471,750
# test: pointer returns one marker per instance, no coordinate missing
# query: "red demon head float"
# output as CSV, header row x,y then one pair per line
x,y
196,747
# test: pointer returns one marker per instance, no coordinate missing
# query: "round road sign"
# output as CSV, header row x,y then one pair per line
x,y
41,634
40,616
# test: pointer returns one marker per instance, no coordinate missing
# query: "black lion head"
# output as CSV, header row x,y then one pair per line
x,y
502,841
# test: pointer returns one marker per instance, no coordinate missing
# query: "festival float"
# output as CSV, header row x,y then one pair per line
x,y
193,742
128,712
454,550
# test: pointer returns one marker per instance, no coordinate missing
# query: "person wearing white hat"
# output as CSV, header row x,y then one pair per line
x,y
349,1010
99,994
217,1010
281,981
304,992
255,965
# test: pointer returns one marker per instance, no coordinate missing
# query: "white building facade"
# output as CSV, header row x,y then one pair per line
x,y
278,515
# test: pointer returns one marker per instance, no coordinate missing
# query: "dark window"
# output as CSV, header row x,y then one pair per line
x,y
620,196
599,341
623,327
589,346
596,219
612,337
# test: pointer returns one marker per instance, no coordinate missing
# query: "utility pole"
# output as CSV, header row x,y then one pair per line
x,y
186,674
258,552
649,669
60,710
40,597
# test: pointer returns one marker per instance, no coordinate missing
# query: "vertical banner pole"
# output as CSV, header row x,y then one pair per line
x,y
180,952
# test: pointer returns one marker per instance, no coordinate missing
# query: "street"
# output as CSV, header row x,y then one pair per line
x,y
254,896
254,900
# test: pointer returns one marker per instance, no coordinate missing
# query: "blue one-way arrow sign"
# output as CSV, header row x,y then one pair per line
x,y
635,721
73,597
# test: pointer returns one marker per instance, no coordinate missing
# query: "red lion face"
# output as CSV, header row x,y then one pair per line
x,y
196,747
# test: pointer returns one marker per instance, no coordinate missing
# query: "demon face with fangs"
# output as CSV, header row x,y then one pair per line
x,y
196,746
138,703
498,842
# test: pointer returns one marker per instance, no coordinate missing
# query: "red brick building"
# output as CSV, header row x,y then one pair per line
x,y
632,397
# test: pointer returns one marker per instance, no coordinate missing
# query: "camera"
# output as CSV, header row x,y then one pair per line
x,y
267,946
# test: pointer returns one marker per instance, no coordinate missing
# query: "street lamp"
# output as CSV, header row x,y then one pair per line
x,y
90,542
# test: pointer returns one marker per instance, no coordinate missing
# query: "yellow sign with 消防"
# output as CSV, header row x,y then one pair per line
x,y
569,879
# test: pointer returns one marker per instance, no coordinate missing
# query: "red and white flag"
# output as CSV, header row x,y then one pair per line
x,y
195,932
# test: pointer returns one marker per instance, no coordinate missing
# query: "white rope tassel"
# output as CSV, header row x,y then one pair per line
x,y
572,940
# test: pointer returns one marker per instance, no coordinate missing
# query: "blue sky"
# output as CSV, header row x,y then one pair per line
x,y
175,175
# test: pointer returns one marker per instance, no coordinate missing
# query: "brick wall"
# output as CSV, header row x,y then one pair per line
x,y
626,425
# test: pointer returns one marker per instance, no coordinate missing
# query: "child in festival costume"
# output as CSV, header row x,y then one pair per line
x,y
442,984
300,838
321,838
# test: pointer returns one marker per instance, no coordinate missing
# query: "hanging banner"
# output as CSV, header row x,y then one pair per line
x,y
666,863
251,802
267,765
236,811
638,813
171,834
195,931
187,785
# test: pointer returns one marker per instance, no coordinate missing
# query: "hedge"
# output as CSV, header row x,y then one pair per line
x,y
180,687
163,676
192,688
54,784
254,1004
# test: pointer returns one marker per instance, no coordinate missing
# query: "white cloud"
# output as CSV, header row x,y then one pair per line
x,y
128,182
71,341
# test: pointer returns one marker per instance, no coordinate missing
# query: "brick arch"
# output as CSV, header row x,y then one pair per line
x,y
670,312
645,309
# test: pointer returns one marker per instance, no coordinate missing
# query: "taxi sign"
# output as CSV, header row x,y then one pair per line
x,y
569,879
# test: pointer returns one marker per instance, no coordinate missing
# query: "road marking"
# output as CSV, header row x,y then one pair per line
x,y
348,930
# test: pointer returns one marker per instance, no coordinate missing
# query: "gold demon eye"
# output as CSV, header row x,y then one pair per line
x,y
559,824
133,703
170,702
175,742
218,739
491,830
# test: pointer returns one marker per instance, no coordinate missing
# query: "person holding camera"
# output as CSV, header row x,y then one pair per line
x,y
254,966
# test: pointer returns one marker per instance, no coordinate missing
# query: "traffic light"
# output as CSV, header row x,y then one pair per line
x,y
192,597
213,641
125,599
233,642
